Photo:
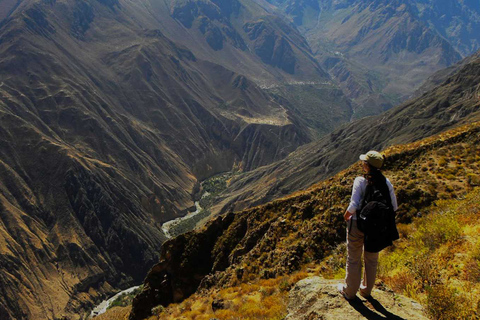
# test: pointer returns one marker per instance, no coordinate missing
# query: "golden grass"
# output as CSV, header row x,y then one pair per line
x,y
437,261
263,299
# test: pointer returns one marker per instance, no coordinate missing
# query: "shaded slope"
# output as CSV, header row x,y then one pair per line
x,y
242,36
441,76
248,38
384,49
457,21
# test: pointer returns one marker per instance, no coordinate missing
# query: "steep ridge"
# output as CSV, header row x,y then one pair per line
x,y
235,29
454,102
380,52
283,236
107,125
441,76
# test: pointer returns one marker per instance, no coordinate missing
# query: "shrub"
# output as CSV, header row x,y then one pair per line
x,y
333,267
404,281
158,310
425,269
297,277
437,229
472,270
442,162
473,179
443,303
284,285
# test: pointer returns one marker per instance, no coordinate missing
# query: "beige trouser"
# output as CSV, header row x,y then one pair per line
x,y
354,263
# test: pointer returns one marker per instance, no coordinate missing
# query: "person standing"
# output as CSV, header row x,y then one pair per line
x,y
371,162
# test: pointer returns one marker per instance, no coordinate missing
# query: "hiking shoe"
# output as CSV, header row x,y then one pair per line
x,y
366,296
341,290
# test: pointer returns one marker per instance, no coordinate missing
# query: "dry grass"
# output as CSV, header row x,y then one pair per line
x,y
263,299
438,260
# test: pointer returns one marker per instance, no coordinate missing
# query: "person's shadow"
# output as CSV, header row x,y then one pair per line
x,y
358,305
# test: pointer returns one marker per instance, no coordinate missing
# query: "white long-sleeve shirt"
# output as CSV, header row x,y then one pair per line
x,y
358,192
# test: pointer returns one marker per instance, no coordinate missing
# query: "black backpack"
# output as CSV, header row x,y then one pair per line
x,y
376,219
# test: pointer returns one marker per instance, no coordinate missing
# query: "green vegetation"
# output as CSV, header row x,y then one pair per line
x,y
125,299
213,187
188,223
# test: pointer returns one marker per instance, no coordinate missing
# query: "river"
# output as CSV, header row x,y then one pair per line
x,y
167,225
102,307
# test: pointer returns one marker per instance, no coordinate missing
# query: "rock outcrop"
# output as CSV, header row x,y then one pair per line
x,y
186,260
317,298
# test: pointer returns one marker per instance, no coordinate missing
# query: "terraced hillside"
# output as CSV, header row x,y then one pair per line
x,y
381,51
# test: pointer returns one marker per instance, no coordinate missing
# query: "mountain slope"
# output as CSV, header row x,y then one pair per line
x,y
441,76
454,102
456,21
265,48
